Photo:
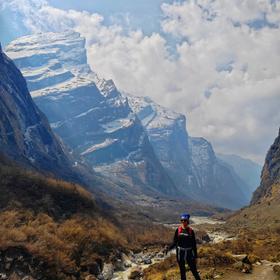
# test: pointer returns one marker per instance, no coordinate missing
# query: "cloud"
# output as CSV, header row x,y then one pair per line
x,y
224,73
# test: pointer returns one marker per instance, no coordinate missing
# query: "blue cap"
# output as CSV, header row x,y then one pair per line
x,y
185,216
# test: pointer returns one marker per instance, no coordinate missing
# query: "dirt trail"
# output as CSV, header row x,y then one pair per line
x,y
261,272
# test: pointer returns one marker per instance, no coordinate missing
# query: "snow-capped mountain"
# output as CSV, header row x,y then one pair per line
x,y
190,162
88,113
25,134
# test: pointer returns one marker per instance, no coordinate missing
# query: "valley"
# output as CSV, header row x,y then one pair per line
x,y
93,180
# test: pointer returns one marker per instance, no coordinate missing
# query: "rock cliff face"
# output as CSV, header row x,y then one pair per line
x,y
25,134
216,181
190,162
167,133
270,178
88,113
265,205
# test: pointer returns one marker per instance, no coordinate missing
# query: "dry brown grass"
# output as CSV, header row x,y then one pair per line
x,y
62,244
59,223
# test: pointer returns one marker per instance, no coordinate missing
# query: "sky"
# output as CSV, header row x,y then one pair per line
x,y
217,62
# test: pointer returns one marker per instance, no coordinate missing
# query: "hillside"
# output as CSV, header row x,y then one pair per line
x,y
265,204
54,230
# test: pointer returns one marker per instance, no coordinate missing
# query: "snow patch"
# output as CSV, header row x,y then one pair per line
x,y
102,145
118,124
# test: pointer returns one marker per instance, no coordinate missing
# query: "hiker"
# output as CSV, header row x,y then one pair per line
x,y
185,243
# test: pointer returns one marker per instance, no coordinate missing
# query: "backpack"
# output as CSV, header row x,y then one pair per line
x,y
180,230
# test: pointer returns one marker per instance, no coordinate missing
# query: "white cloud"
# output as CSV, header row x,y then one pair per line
x,y
224,76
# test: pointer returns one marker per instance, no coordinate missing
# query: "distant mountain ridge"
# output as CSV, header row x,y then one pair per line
x,y
247,170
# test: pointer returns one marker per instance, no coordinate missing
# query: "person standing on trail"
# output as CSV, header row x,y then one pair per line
x,y
186,251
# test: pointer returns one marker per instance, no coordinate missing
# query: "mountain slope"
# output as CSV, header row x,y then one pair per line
x,y
265,204
270,179
190,162
88,113
25,134
167,134
247,170
216,181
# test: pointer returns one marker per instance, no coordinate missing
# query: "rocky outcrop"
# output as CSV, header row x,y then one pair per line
x,y
88,113
17,263
270,173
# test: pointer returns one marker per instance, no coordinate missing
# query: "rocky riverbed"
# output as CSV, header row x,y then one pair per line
x,y
131,266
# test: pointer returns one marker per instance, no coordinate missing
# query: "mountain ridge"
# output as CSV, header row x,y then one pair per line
x,y
96,121
246,169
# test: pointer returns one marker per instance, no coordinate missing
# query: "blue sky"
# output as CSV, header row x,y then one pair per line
x,y
138,14
143,14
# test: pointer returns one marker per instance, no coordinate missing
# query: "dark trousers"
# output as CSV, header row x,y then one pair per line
x,y
188,258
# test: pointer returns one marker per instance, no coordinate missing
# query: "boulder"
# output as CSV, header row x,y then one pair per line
x,y
276,270
247,268
108,271
119,265
126,261
238,265
160,255
136,273
243,267
147,260
3,276
241,257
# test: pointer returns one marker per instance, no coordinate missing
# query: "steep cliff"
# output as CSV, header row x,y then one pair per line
x,y
270,178
88,113
25,134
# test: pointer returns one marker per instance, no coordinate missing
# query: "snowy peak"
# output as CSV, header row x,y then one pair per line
x,y
69,47
55,63
152,115
52,63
